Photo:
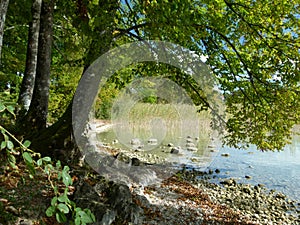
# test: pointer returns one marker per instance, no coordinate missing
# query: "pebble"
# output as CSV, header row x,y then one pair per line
x,y
228,182
135,141
189,140
192,149
190,145
152,141
194,160
175,150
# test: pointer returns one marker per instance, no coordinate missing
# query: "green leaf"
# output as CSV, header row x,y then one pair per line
x,y
13,165
63,198
50,211
73,204
26,143
77,221
67,180
58,164
12,160
30,167
63,208
2,107
48,169
85,217
77,209
9,144
93,217
46,159
54,201
5,136
11,109
90,214
27,157
60,217
3,145
66,169
39,162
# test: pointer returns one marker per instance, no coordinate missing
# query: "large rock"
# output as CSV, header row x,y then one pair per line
x,y
120,199
109,217
86,197
110,202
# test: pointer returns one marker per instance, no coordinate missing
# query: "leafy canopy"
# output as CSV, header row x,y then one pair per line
x,y
252,48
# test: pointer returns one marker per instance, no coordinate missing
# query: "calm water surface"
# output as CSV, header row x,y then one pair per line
x,y
276,170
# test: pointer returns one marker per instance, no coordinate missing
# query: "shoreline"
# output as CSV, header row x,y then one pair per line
x,y
257,200
203,202
253,203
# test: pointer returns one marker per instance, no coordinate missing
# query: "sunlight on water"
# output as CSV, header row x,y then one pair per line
x,y
277,170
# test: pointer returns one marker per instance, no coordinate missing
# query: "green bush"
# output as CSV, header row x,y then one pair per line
x,y
105,101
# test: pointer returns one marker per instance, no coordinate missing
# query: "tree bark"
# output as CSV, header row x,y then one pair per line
x,y
57,140
3,11
27,85
37,114
52,140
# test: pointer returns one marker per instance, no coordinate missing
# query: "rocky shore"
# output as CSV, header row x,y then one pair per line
x,y
255,202
188,197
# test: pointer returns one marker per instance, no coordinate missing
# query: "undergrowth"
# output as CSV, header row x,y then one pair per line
x,y
27,178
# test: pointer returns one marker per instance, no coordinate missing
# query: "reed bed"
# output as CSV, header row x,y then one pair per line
x,y
168,122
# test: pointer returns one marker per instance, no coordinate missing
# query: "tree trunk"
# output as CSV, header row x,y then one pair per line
x,y
52,140
3,11
27,86
57,140
37,114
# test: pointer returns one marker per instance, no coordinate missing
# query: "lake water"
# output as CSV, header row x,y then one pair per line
x,y
276,170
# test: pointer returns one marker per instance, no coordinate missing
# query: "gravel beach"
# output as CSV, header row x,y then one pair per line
x,y
183,199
